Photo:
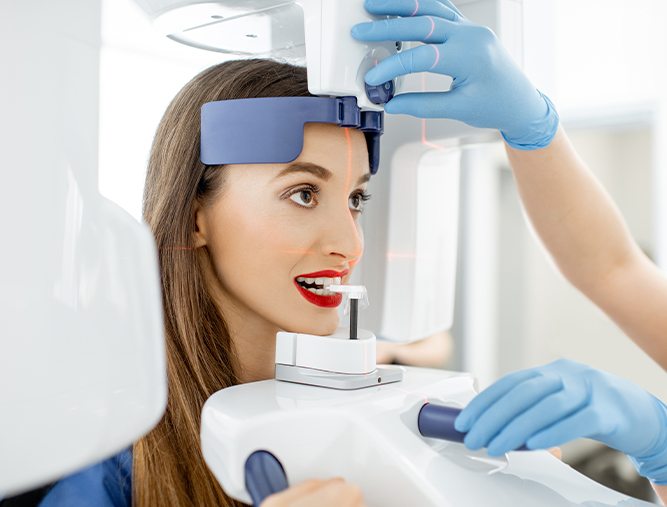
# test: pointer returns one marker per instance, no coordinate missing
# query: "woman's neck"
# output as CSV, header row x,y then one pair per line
x,y
254,340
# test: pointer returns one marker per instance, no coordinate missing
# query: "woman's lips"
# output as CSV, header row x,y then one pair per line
x,y
327,273
324,301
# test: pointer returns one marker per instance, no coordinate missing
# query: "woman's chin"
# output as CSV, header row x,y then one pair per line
x,y
316,328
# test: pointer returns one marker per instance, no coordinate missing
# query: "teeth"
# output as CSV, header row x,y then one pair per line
x,y
321,292
322,282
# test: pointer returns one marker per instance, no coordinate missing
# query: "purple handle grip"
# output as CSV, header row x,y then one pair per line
x,y
437,421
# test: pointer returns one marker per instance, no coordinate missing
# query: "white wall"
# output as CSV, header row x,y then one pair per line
x,y
596,52
140,72
600,58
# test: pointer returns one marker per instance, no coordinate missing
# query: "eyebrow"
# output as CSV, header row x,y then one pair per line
x,y
317,170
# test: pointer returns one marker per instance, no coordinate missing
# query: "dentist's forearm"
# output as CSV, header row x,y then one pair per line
x,y
661,491
573,215
585,234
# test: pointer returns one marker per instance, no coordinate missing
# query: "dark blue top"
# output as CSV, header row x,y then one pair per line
x,y
106,484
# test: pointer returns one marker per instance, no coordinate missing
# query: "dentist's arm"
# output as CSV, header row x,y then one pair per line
x,y
589,241
571,212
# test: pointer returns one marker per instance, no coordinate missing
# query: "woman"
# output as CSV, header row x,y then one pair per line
x,y
235,243
575,219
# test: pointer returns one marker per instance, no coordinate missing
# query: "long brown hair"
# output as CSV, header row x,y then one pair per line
x,y
168,467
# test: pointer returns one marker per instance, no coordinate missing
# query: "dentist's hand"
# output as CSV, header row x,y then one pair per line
x,y
550,405
489,89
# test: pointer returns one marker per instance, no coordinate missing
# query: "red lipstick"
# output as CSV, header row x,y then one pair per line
x,y
316,299
323,301
328,273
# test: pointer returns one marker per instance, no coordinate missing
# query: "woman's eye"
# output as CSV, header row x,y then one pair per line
x,y
357,201
304,197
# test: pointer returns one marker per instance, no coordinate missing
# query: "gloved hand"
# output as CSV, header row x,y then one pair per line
x,y
489,89
550,405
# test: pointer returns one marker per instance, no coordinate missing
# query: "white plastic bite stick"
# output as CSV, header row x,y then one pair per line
x,y
355,293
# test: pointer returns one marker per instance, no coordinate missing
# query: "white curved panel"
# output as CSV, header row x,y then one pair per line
x,y
82,367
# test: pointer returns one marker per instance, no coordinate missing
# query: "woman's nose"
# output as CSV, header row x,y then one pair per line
x,y
342,236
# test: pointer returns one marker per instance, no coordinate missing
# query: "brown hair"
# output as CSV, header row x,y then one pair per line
x,y
168,467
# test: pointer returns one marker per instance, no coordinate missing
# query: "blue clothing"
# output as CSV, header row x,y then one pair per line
x,y
106,484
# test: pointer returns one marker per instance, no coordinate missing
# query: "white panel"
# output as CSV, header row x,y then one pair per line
x,y
422,241
480,305
370,437
82,369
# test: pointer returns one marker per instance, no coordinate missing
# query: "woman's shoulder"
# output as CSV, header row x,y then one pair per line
x,y
105,484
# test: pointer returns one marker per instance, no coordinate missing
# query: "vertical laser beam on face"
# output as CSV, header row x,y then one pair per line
x,y
348,180
348,174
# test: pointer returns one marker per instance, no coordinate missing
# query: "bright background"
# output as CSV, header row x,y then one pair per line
x,y
601,61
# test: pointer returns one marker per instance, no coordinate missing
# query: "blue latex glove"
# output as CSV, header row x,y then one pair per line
x,y
489,89
550,405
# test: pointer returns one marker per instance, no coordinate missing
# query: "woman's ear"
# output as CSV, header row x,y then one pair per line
x,y
200,227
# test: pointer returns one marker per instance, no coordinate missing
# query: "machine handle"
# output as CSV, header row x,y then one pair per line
x,y
264,476
437,421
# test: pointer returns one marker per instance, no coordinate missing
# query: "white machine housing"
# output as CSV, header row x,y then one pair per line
x,y
335,352
82,360
370,438
299,31
335,361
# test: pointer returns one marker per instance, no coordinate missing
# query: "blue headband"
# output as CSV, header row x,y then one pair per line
x,y
270,129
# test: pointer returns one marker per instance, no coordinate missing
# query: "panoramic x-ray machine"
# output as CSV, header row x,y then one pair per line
x,y
82,353
331,411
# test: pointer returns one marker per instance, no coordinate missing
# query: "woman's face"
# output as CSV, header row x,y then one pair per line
x,y
277,233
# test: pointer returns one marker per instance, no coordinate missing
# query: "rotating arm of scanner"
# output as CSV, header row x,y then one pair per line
x,y
489,89
550,405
